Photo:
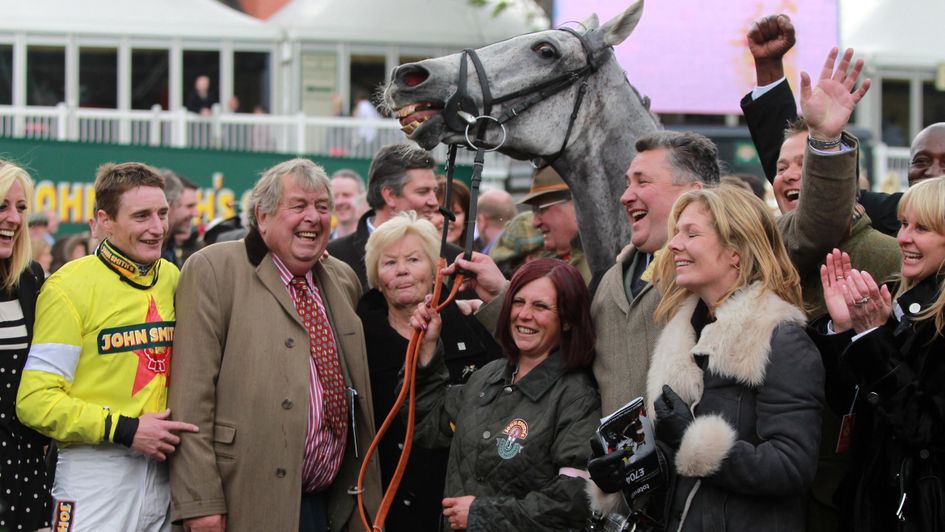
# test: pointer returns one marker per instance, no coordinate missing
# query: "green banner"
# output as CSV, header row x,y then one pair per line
x,y
64,173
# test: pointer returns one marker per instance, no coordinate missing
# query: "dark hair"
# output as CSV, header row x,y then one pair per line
x,y
112,180
461,196
750,182
389,169
64,247
574,314
693,156
795,127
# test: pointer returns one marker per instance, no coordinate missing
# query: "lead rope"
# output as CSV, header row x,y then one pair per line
x,y
408,390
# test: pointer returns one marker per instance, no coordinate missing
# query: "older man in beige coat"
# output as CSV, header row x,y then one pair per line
x,y
245,373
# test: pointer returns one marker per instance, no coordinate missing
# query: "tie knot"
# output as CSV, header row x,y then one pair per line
x,y
299,283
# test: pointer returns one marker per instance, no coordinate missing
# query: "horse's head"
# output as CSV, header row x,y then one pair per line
x,y
529,78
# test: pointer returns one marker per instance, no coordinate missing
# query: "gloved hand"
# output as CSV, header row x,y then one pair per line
x,y
608,471
672,417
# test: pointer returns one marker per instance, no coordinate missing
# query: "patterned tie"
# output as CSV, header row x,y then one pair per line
x,y
326,357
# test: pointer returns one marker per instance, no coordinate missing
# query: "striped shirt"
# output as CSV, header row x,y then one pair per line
x,y
323,451
12,326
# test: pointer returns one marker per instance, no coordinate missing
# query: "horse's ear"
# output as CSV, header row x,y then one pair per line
x,y
591,23
617,29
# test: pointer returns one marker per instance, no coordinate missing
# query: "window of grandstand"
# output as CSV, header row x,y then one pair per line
x,y
933,104
896,112
251,81
6,74
149,78
45,75
199,63
367,74
98,77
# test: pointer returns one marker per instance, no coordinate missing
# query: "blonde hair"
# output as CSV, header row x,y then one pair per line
x,y
395,229
19,261
925,202
745,225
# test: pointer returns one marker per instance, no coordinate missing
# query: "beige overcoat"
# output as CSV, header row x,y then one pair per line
x,y
240,372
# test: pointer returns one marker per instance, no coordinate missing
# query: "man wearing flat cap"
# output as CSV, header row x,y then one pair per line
x,y
553,210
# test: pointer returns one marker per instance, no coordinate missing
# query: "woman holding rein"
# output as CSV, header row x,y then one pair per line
x,y
735,384
518,430
400,259
24,492
895,354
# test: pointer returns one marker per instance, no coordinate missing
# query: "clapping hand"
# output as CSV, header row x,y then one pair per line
x,y
869,304
833,275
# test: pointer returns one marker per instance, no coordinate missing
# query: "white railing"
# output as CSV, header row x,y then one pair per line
x,y
891,167
295,134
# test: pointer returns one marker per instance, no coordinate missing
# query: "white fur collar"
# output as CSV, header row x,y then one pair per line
x,y
738,343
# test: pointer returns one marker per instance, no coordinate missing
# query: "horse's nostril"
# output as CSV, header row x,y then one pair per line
x,y
412,75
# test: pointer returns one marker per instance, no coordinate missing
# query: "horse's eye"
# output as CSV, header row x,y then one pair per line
x,y
546,50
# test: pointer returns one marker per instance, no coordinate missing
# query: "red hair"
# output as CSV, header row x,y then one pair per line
x,y
574,313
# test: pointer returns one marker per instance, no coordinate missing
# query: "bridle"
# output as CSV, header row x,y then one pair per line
x,y
460,114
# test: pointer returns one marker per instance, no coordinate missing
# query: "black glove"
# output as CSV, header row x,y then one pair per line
x,y
608,471
672,417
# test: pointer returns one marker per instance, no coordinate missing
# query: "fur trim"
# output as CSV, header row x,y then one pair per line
x,y
738,343
706,443
601,501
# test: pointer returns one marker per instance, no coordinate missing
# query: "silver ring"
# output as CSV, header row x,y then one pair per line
x,y
861,302
472,145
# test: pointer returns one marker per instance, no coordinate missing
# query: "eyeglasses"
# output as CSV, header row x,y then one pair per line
x,y
540,209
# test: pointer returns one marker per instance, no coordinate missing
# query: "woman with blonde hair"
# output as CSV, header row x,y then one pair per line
x,y
895,353
735,384
23,487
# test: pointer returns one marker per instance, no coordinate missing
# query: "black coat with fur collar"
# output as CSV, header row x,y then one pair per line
x,y
746,461
900,429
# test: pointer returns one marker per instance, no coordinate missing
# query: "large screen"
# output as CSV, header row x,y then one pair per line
x,y
691,56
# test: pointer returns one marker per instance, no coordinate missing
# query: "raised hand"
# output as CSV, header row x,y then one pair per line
x,y
833,274
829,105
769,38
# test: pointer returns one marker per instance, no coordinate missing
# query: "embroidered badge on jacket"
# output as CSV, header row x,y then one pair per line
x,y
508,442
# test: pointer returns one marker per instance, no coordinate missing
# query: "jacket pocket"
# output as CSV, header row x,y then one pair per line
x,y
224,434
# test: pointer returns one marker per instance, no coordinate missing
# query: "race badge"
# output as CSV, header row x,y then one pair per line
x,y
64,516
508,442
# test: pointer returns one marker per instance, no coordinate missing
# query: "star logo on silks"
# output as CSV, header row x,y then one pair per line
x,y
152,361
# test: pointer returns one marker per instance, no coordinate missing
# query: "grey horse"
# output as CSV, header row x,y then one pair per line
x,y
610,114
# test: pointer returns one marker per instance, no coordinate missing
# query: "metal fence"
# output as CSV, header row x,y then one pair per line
x,y
295,134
